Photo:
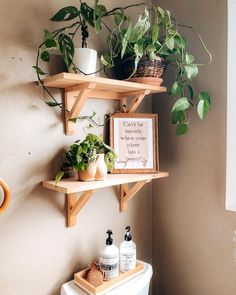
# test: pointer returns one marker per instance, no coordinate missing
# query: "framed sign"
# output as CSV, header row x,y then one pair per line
x,y
134,139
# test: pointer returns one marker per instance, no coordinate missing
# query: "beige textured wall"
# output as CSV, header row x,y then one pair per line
x,y
37,252
193,248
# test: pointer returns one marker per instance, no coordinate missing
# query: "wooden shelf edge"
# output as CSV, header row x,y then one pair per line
x,y
71,185
65,80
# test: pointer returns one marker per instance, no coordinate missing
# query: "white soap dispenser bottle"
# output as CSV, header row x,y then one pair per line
x,y
127,252
109,259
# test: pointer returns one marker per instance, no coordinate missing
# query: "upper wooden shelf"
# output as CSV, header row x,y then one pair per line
x,y
78,88
71,186
67,80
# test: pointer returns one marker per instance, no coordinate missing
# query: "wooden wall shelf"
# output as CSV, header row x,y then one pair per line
x,y
78,88
70,187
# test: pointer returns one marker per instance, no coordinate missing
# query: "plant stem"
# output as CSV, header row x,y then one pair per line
x,y
202,42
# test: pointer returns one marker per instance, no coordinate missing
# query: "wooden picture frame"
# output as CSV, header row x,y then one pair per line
x,y
134,137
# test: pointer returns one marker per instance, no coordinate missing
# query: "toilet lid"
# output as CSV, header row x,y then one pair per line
x,y
131,287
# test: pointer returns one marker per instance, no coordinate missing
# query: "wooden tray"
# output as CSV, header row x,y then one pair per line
x,y
79,279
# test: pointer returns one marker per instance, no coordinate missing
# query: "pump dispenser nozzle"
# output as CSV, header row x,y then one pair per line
x,y
109,240
128,236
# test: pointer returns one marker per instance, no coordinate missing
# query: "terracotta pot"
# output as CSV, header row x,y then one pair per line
x,y
96,170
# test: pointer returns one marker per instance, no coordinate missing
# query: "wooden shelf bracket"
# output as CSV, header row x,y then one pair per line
x,y
137,98
74,205
127,193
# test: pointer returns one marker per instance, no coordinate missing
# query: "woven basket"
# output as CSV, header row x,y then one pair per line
x,y
146,67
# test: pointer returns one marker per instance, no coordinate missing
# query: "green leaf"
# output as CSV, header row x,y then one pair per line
x,y
176,89
59,176
150,49
155,32
87,13
205,96
50,43
170,43
106,60
203,108
45,56
38,70
99,10
47,35
53,104
181,104
182,129
161,11
190,90
98,24
65,14
178,117
191,71
118,17
142,26
125,39
66,48
189,58
179,41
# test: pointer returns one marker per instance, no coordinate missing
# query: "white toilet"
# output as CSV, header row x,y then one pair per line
x,y
139,285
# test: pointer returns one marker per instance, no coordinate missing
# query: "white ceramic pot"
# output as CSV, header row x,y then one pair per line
x,y
85,59
96,170
101,168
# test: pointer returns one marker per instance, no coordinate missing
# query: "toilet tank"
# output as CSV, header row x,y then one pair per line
x,y
139,285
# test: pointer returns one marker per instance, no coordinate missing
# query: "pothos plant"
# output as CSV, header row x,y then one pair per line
x,y
157,34
76,19
81,154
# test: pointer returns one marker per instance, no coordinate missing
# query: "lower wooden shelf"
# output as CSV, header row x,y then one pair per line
x,y
70,187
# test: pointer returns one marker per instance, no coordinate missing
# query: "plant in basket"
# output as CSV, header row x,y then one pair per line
x,y
140,52
92,158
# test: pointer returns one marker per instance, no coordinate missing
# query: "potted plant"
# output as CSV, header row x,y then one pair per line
x,y
77,60
92,158
144,49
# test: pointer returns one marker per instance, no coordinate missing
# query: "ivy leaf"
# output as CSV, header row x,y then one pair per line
x,y
155,33
106,60
66,48
65,14
182,129
161,11
100,10
189,58
178,117
45,56
53,104
125,39
98,24
205,96
180,41
50,43
176,89
170,43
59,176
87,13
203,108
181,104
191,71
47,35
190,90
38,70
118,17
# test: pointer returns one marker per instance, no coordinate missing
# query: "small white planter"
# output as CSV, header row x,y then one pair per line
x,y
85,59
